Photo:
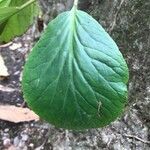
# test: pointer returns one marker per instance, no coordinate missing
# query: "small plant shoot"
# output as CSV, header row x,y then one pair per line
x,y
75,77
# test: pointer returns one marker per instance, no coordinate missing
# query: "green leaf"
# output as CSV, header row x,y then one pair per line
x,y
7,12
16,18
4,3
75,77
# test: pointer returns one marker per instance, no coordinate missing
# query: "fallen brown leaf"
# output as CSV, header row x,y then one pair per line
x,y
12,148
3,69
17,114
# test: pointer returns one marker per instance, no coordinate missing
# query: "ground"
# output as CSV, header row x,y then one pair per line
x,y
128,22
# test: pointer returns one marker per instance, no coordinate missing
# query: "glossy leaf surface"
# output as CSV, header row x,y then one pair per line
x,y
76,77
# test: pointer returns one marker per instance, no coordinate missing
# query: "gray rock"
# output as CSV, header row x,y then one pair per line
x,y
16,141
24,137
6,142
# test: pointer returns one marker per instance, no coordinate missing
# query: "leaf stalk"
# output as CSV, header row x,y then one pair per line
x,y
27,4
75,3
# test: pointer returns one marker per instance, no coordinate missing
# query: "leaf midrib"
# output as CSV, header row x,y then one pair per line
x,y
72,28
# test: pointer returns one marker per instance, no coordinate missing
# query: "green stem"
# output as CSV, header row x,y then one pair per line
x,y
75,3
27,4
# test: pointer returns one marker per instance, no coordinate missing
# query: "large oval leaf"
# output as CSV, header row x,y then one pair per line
x,y
75,76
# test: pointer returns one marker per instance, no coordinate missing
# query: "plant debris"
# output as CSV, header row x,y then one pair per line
x,y
3,69
17,114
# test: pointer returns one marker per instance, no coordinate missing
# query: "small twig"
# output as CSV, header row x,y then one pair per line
x,y
46,139
137,138
23,104
5,45
115,17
